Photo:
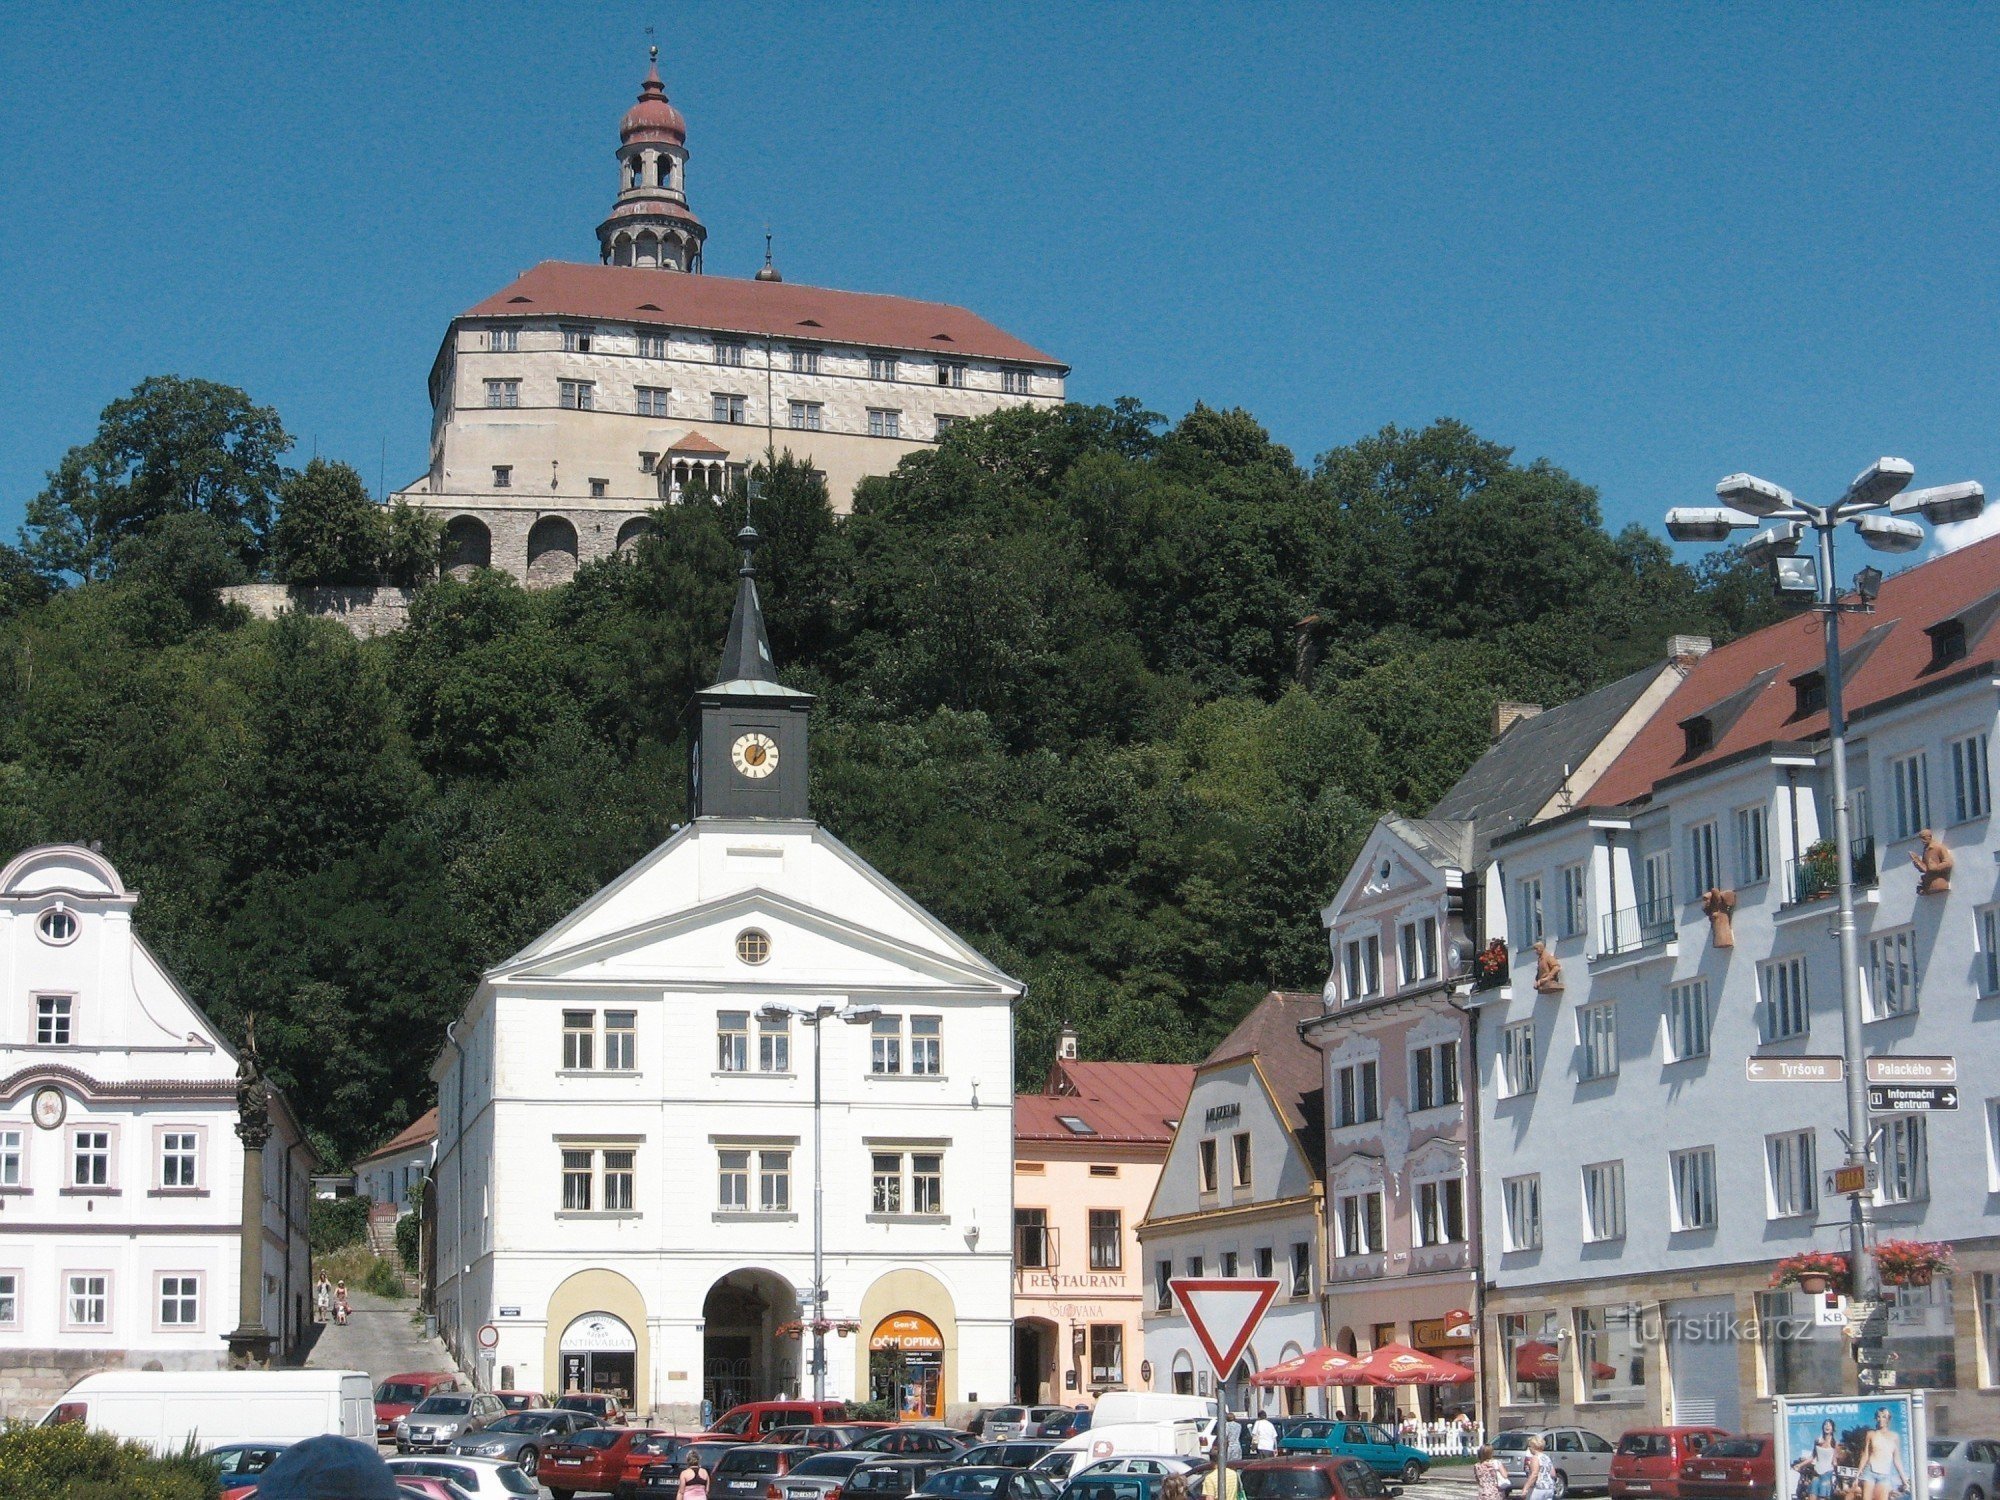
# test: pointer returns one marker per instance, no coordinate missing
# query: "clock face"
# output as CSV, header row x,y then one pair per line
x,y
755,755
50,1107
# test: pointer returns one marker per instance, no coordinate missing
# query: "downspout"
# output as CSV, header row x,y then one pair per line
x,y
1476,1175
457,1202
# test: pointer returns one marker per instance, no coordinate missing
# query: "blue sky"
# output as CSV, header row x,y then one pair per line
x,y
1654,244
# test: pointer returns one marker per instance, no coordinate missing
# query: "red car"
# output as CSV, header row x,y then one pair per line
x,y
1303,1476
603,1460
399,1395
522,1400
1649,1459
593,1404
1741,1467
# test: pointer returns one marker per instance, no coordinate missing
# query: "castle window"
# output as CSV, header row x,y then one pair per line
x,y
599,488
578,395
652,345
729,351
727,408
883,422
576,340
950,372
946,422
503,340
652,401
805,416
805,361
503,393
503,476
1015,382
881,367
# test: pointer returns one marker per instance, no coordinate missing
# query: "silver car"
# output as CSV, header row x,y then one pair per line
x,y
819,1476
440,1420
520,1437
1964,1468
1582,1459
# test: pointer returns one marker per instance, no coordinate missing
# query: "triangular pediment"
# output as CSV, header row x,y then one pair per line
x,y
1390,869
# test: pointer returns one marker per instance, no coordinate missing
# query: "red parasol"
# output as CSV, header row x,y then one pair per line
x,y
1315,1367
1399,1364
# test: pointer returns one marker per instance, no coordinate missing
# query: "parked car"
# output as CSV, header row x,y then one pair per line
x,y
1648,1460
821,1475
1017,1421
593,1403
522,1437
1963,1468
1306,1478
987,1482
822,1435
241,1465
1581,1458
481,1478
1738,1467
1372,1443
421,1487
603,1460
399,1395
1113,1480
752,1419
1018,1453
916,1442
1066,1424
439,1420
661,1479
522,1400
889,1478
745,1473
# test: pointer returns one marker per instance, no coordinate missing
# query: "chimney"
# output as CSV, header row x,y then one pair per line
x,y
1685,650
1506,715
1066,1045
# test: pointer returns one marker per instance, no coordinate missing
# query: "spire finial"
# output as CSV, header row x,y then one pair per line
x,y
770,271
748,539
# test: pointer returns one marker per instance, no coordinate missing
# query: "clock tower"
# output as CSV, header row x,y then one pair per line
x,y
746,733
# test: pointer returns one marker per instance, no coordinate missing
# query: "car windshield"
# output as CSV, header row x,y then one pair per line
x,y
1643,1444
583,1403
595,1437
829,1465
519,1422
1510,1442
1940,1447
963,1482
400,1392
1286,1484
753,1460
514,1482
1734,1448
1011,1414
1379,1435
878,1482
445,1406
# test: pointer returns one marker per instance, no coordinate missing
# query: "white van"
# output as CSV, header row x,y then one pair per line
x,y
1184,1439
165,1408
1114,1407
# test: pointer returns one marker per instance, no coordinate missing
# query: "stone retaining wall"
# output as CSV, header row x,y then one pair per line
x,y
365,611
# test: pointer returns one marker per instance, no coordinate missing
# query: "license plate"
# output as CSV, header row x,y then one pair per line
x,y
569,1463
1637,1489
802,1492
1713,1474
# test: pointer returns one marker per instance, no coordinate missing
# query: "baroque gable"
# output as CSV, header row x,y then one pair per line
x,y
1389,872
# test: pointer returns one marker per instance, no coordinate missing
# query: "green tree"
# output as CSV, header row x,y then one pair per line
x,y
22,584
328,530
172,447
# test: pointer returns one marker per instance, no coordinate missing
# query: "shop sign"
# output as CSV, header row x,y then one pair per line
x,y
1075,1281
907,1331
598,1333
510,1312
1221,1114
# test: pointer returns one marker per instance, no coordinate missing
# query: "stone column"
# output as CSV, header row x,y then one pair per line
x,y
251,1342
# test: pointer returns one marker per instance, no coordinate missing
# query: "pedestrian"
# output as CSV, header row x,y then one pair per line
x,y
323,1298
1539,1482
340,1303
1490,1474
693,1477
1264,1435
328,1468
1174,1487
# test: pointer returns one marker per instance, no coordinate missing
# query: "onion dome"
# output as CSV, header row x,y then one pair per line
x,y
653,118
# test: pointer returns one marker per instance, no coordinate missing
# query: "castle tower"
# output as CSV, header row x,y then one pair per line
x,y
651,223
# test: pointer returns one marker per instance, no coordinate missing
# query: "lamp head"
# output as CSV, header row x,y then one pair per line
x,y
1889,533
1705,523
861,1015
1795,578
1754,496
1781,540
1868,583
775,1013
1944,503
1878,484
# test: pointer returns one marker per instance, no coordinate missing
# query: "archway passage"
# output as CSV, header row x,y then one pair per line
x,y
1183,1373
742,1357
600,1354
467,545
551,551
906,1367
1239,1393
1035,1376
630,534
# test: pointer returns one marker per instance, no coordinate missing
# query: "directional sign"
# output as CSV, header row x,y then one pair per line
x,y
1912,1070
1223,1311
1794,1069
1911,1098
1852,1180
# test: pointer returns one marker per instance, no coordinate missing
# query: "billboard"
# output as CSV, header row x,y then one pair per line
x,y
1852,1447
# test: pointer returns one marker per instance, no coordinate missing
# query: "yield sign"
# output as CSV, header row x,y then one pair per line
x,y
1223,1311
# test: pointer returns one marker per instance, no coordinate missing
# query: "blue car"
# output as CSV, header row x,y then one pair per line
x,y
1372,1443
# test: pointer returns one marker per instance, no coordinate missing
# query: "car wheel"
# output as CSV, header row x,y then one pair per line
x,y
1413,1471
1562,1484
1974,1493
528,1461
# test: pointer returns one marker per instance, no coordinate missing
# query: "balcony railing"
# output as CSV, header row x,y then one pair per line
x,y
1816,876
1636,927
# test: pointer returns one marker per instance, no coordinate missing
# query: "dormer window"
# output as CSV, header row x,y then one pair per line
x,y
1947,642
1808,694
1700,736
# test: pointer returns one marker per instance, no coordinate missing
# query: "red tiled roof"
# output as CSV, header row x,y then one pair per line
x,y
774,309
694,442
1748,683
417,1133
1123,1102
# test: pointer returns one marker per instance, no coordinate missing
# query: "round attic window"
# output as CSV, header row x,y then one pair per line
x,y
57,925
753,946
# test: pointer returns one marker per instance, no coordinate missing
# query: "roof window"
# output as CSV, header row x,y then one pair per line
x,y
1808,694
1076,1125
1700,733
1947,642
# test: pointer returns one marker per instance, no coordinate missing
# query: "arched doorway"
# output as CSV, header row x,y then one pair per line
x,y
1183,1373
1037,1382
1240,1394
742,1356
551,551
600,1352
1293,1396
906,1367
467,545
630,534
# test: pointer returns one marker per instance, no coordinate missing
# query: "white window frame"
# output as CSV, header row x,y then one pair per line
x,y
927,1183
1358,1084
503,395
805,416
55,1018
1791,1174
1359,1222
102,1293
1521,1212
621,1041
1687,1020
1784,1000
805,359
103,1144
577,395
187,1153
732,1041
188,1288
774,1180
576,339
1015,381
1656,888
1417,945
926,1046
1704,858
1971,778
650,345
774,1044
1207,1156
886,1195
1530,921
1440,1061
1575,880
1910,786
732,1179
1597,1040
885,1047
1603,1201
1242,1160
1361,967
651,400
882,366
1905,1159
1432,1201
1519,1065
728,408
885,422
10,1299
729,352
1891,973
579,1043
1691,1178
503,339
13,1158
1753,845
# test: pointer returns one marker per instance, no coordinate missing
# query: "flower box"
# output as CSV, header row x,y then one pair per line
x,y
1911,1262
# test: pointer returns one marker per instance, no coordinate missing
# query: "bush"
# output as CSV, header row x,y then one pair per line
x,y
73,1463
409,1228
384,1280
338,1223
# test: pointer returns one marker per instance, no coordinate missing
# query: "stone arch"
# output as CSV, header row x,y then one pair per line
x,y
621,249
551,551
906,1292
1293,1397
743,1355
606,1294
1180,1376
630,533
467,546
647,252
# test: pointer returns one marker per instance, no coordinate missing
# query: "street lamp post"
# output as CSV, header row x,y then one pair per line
x,y
853,1015
1880,510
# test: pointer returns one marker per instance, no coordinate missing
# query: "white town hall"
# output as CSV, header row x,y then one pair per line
x,y
625,1176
